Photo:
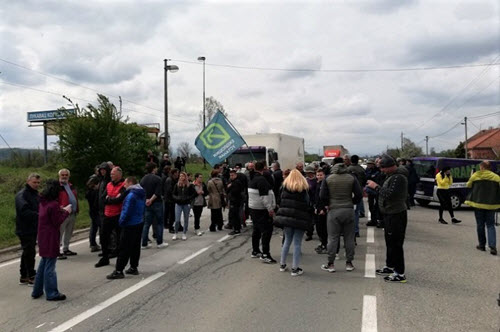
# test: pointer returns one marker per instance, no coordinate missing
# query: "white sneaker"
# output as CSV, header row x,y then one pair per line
x,y
162,245
199,233
184,238
174,237
146,247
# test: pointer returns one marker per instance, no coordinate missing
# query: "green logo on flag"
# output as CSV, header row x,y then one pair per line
x,y
214,136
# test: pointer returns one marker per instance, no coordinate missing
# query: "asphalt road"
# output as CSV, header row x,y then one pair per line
x,y
210,283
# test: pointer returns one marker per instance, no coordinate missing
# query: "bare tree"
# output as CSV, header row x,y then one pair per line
x,y
212,105
184,150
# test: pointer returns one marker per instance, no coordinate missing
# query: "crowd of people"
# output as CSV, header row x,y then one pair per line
x,y
324,198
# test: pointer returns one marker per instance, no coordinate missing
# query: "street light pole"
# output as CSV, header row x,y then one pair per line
x,y
202,58
166,69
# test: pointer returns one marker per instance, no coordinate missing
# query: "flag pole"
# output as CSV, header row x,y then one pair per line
x,y
234,128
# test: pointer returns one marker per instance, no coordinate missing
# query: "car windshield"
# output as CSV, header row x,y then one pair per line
x,y
425,168
244,158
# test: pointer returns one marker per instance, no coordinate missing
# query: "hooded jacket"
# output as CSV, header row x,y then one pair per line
x,y
133,206
394,192
260,194
485,193
103,182
340,189
51,217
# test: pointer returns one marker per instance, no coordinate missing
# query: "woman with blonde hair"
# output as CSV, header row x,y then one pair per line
x,y
293,215
183,194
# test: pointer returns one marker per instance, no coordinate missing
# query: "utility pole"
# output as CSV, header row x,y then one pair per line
x,y
465,143
427,146
120,99
402,144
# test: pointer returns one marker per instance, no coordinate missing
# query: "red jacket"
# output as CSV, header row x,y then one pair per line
x,y
64,199
113,203
50,219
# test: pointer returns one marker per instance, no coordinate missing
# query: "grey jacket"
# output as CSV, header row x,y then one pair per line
x,y
341,189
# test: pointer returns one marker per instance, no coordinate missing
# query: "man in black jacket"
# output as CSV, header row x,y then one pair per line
x,y
168,188
234,193
392,203
27,227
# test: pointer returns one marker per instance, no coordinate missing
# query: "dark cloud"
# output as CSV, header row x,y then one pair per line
x,y
299,67
385,6
452,49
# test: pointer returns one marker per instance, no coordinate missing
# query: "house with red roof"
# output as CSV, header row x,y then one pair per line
x,y
485,144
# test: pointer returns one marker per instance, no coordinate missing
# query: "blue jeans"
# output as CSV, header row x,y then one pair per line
x,y
486,218
182,209
155,210
46,277
359,207
295,235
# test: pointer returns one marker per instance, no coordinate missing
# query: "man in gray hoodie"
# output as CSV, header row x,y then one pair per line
x,y
342,191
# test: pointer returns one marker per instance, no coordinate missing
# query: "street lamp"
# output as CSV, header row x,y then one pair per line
x,y
166,69
202,58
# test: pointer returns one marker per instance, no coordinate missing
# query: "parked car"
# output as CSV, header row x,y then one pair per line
x,y
461,170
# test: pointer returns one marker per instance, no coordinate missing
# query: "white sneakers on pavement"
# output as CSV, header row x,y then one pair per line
x,y
162,245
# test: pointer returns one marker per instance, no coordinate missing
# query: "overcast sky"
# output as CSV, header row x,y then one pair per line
x,y
118,47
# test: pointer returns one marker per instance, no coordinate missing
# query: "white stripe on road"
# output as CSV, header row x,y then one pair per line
x,y
370,235
370,266
103,305
17,260
369,215
190,257
224,238
369,320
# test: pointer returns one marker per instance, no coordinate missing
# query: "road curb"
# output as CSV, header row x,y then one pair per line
x,y
13,252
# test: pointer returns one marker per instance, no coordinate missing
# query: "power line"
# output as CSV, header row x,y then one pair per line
x,y
446,132
341,70
484,116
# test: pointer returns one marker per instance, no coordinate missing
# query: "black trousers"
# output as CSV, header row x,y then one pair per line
x,y
171,215
321,229
444,202
197,210
234,216
394,231
130,247
95,225
373,207
109,225
27,266
262,230
216,219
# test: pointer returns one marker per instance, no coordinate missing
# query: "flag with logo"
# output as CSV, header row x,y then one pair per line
x,y
218,140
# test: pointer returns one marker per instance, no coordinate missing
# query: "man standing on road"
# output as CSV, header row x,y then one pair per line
x,y
261,203
359,172
392,203
485,199
154,207
341,190
372,173
115,194
312,182
67,195
235,200
26,227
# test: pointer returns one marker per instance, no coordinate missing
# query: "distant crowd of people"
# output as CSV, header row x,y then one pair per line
x,y
325,198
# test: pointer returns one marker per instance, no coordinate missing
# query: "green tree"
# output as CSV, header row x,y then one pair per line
x,y
212,105
98,134
460,150
408,151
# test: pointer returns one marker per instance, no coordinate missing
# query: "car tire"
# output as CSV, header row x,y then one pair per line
x,y
456,202
423,202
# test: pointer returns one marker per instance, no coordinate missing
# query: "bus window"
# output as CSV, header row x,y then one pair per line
x,y
425,168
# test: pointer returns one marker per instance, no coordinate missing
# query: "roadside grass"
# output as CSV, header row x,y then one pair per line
x,y
13,179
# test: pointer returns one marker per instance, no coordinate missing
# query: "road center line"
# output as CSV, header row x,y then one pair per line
x,y
370,266
224,238
369,320
370,235
190,257
103,305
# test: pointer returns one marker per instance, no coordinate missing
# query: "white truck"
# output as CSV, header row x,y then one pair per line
x,y
287,150
330,152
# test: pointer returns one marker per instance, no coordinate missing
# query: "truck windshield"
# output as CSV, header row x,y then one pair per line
x,y
244,158
425,168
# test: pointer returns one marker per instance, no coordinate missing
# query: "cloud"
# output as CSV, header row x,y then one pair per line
x,y
385,6
301,64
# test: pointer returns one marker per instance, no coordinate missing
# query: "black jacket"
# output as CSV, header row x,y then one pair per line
x,y
151,183
294,210
183,195
27,211
92,197
234,192
168,189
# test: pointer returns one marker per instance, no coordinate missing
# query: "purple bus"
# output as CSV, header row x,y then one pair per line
x,y
461,170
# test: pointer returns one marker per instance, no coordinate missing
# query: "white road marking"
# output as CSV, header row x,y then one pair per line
x,y
224,238
370,266
370,235
40,325
369,215
369,320
190,257
103,305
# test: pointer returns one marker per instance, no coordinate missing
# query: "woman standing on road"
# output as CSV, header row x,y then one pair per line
x,y
199,201
183,194
444,180
50,218
294,216
216,200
